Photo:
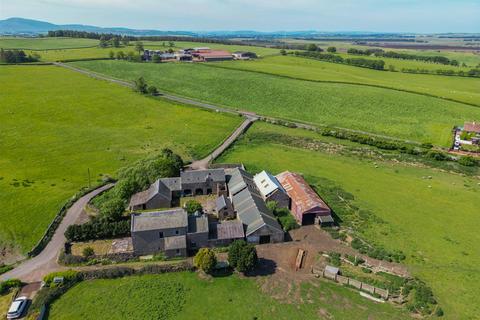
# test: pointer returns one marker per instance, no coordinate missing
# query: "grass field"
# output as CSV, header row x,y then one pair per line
x,y
457,88
178,296
56,124
45,43
433,220
370,109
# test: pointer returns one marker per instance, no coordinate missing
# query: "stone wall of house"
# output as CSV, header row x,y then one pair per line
x,y
149,242
281,198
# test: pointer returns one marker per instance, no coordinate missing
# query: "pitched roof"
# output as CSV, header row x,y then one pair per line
x,y
197,224
240,179
472,127
222,202
252,211
157,220
232,229
304,197
267,183
215,54
196,176
156,188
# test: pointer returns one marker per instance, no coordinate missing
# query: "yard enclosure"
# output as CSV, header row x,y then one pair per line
x,y
429,214
60,129
376,110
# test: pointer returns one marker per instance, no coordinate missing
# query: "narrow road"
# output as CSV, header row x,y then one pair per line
x,y
203,163
36,268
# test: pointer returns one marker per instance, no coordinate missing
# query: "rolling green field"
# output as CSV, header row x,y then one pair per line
x,y
46,43
370,109
178,296
59,124
456,88
429,214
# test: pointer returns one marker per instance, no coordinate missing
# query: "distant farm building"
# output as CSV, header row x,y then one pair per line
x,y
244,55
306,206
472,127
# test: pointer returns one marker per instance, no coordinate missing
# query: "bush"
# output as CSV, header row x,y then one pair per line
x,y
140,85
205,260
113,209
5,268
97,229
242,256
467,161
192,206
5,286
334,259
152,90
88,252
69,276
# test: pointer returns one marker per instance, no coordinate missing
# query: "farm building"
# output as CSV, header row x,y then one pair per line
x,y
306,206
259,223
271,189
225,232
472,127
224,208
164,231
244,55
164,192
159,195
213,55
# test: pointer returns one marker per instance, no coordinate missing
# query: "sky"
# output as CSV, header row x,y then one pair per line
x,y
421,16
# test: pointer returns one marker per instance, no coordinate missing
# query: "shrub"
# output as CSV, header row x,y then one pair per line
x,y
97,229
5,286
88,252
152,90
242,256
113,209
205,260
334,259
192,206
5,268
69,276
140,85
467,161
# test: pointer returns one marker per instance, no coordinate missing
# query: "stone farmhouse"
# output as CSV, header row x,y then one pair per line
x,y
240,210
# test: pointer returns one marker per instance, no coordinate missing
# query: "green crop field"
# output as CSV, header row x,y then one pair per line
x,y
177,296
80,53
456,88
376,110
429,214
45,43
57,124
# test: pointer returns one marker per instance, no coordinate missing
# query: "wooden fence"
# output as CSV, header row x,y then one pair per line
x,y
356,284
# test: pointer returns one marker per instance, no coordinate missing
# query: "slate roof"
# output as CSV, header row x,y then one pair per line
x,y
222,202
158,220
332,270
232,229
240,179
267,183
197,224
156,188
252,211
304,197
197,176
177,242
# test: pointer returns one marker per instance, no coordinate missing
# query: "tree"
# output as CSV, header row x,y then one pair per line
x,y
120,55
103,42
116,42
111,54
331,49
242,256
156,58
193,206
391,68
312,47
467,161
141,85
283,52
152,90
125,41
171,44
113,209
88,252
205,260
139,46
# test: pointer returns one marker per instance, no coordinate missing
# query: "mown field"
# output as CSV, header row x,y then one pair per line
x,y
45,43
57,124
370,109
178,296
431,215
456,88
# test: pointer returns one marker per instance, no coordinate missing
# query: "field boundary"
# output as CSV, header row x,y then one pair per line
x,y
346,82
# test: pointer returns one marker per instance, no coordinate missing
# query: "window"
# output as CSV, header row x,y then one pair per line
x,y
176,231
160,234
177,252
194,244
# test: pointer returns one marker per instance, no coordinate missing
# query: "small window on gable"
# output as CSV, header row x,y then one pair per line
x,y
176,231
160,234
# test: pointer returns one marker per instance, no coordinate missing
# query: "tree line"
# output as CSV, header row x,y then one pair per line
x,y
17,56
122,38
403,56
330,57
